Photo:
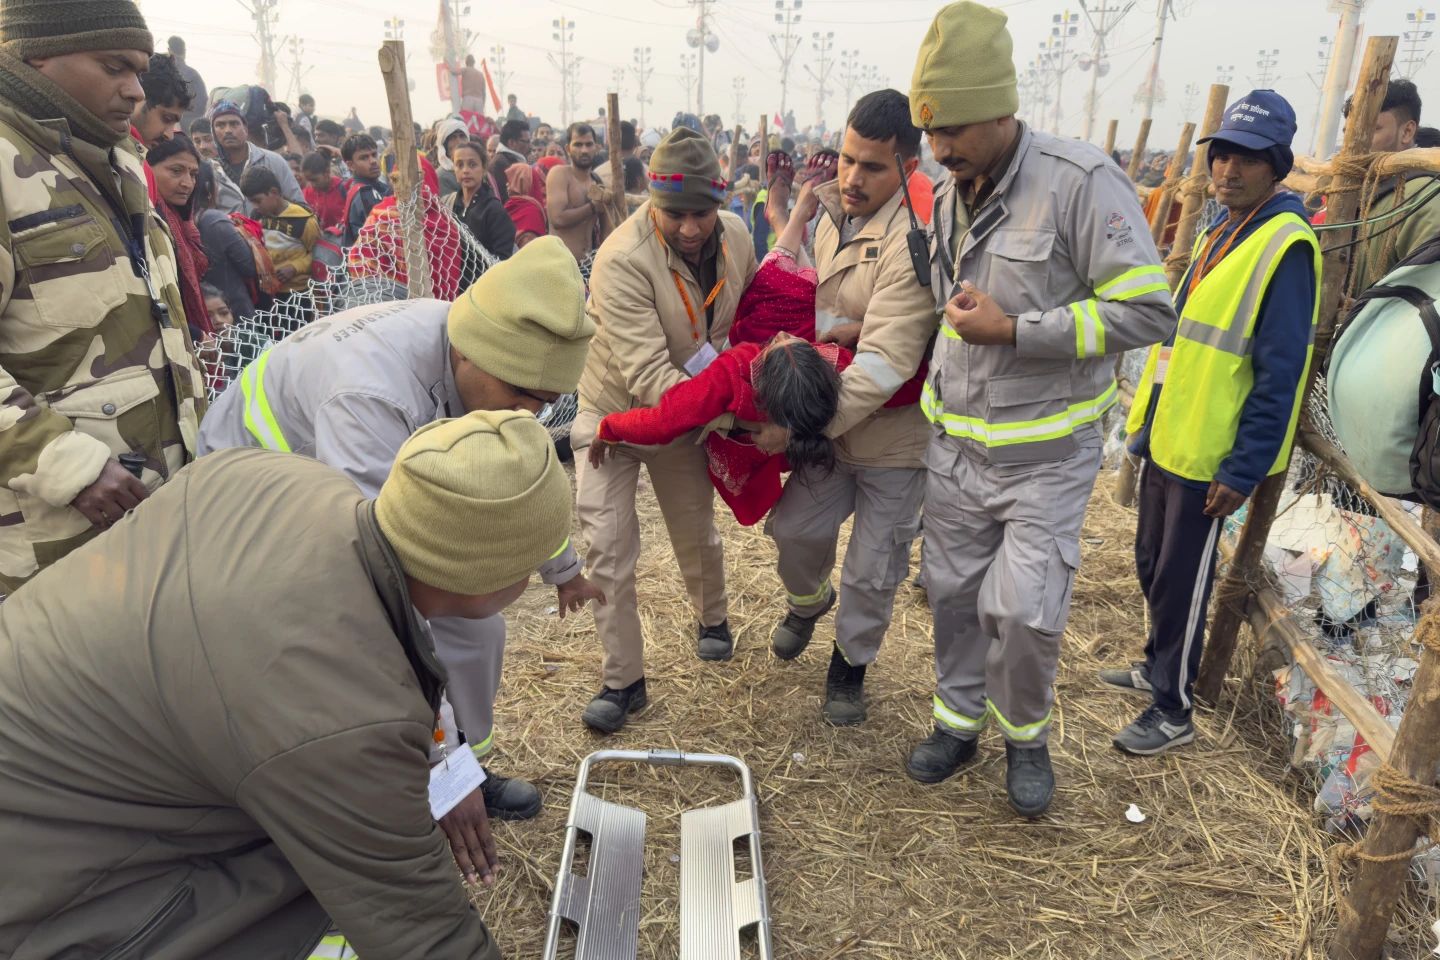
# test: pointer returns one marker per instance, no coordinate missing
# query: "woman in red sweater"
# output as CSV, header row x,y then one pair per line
x,y
770,375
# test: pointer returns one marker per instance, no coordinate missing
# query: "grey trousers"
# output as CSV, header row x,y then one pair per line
x,y
805,525
1002,544
472,652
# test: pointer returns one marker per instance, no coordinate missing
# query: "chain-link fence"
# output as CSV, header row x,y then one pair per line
x,y
374,270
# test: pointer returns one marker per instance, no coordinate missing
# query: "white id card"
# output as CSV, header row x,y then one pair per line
x,y
706,356
453,779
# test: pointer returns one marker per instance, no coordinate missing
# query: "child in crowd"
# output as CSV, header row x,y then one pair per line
x,y
782,388
362,156
290,230
221,318
324,192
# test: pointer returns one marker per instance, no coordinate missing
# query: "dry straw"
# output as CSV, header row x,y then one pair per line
x,y
862,862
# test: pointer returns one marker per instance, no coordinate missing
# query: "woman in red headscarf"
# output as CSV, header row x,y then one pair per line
x,y
773,373
526,205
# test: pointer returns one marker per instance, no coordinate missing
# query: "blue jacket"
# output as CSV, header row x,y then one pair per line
x,y
1282,334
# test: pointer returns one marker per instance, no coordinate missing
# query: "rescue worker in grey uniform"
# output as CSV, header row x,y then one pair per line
x,y
349,390
870,300
1043,268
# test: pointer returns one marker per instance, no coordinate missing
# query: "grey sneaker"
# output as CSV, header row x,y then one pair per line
x,y
793,634
844,692
1155,731
1132,679
716,643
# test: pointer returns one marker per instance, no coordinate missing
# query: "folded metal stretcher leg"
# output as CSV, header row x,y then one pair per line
x,y
604,904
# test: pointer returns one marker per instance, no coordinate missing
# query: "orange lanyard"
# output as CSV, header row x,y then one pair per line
x,y
680,285
1204,265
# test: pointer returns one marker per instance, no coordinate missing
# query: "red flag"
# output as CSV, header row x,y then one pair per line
x,y
779,123
490,83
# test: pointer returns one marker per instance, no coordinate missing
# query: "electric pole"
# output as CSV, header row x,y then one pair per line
x,y
787,14
1163,12
1192,99
563,33
1102,19
502,76
1265,66
738,84
1416,38
821,45
702,38
1337,75
1065,25
1223,75
1326,46
871,78
849,75
457,42
265,13
617,81
687,68
297,71
642,70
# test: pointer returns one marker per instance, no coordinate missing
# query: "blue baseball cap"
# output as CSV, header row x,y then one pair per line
x,y
1257,121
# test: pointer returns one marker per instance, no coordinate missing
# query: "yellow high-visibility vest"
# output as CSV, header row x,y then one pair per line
x,y
1208,373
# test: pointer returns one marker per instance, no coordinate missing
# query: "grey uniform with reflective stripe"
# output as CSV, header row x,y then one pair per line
x,y
349,390
1062,245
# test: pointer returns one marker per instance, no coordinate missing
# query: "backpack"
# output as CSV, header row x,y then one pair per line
x,y
1384,380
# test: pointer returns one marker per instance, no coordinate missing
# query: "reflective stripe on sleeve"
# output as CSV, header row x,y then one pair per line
x,y
259,418
1133,283
880,370
1089,329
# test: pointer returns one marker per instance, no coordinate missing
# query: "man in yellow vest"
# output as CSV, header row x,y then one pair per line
x,y
1218,402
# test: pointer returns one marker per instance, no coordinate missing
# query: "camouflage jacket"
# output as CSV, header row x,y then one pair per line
x,y
89,368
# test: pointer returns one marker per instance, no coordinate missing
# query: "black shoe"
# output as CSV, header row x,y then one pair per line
x,y
610,709
509,798
939,755
1029,779
716,643
844,692
793,634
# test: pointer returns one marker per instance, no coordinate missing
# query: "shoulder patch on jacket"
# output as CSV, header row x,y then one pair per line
x,y
1086,156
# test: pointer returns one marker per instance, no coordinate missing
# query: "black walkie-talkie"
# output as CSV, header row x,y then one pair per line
x,y
915,239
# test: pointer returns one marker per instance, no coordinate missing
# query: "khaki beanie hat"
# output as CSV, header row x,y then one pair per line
x,y
524,320
474,505
36,29
685,173
965,72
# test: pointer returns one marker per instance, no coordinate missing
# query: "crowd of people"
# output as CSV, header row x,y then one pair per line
x,y
240,641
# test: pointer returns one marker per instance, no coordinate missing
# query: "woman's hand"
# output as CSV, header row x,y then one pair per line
x,y
772,439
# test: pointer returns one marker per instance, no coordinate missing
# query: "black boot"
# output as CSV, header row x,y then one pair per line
x,y
509,798
844,692
939,755
792,635
1029,779
610,709
716,643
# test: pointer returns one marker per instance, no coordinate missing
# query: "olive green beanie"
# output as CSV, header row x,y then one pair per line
x,y
36,29
685,173
965,72
474,505
524,320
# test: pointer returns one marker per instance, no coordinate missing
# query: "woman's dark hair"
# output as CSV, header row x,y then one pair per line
x,y
799,390
175,146
478,148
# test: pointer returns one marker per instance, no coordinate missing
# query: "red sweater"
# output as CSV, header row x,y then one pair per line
x,y
747,478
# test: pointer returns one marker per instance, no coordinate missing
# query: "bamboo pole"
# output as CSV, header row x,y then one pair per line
x,y
1110,133
737,151
1231,594
406,178
1138,154
1168,189
619,210
764,146
1193,199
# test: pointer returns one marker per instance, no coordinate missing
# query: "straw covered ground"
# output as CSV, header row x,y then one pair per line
x,y
861,861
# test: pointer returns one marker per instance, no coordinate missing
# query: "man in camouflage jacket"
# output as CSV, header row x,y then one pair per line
x,y
95,359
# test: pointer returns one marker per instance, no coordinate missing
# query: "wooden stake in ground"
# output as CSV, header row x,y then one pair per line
x,y
764,146
1344,201
1110,132
406,178
1192,197
1138,154
1173,171
619,209
737,151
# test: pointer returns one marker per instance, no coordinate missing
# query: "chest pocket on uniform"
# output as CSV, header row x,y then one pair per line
x,y
69,270
1019,262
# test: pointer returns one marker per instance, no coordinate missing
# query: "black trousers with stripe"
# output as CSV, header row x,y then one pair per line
x,y
1175,554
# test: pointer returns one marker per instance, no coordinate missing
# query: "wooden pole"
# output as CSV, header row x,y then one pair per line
x,y
1344,201
406,179
737,151
1172,184
619,210
1110,133
1138,154
1192,199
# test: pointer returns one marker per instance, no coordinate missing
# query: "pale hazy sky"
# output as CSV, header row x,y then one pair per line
x,y
341,37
